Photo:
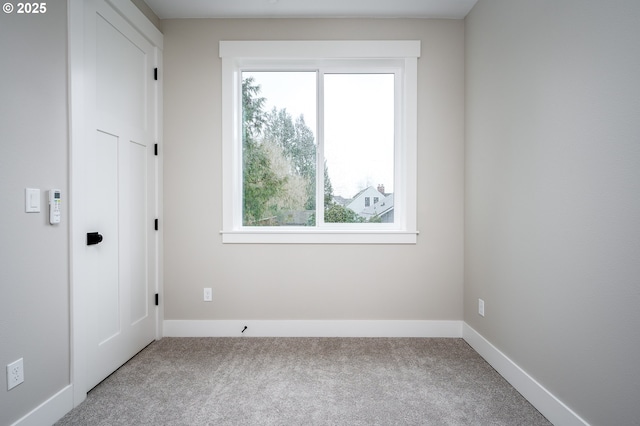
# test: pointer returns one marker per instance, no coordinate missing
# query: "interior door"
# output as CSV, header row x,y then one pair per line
x,y
119,194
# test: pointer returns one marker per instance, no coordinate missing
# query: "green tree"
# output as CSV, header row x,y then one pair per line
x,y
260,183
336,213
253,116
328,188
305,159
298,146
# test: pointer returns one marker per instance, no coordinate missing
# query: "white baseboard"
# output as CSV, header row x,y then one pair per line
x,y
311,328
550,406
50,411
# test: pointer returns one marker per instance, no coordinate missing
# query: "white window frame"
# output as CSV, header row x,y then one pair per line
x,y
400,55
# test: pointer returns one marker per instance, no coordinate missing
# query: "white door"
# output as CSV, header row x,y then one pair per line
x,y
119,196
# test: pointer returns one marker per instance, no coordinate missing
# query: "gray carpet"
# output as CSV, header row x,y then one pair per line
x,y
305,381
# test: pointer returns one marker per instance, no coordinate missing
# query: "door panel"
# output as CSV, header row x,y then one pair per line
x,y
137,232
123,63
104,213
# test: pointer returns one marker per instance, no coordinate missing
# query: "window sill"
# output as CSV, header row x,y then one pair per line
x,y
319,237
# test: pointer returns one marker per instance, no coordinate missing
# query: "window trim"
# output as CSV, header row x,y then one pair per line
x,y
239,55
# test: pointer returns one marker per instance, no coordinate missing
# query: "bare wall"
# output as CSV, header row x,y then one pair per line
x,y
34,256
422,281
552,240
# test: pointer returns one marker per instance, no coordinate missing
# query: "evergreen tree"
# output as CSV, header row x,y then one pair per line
x,y
260,183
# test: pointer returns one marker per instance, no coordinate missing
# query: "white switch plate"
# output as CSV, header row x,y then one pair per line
x,y
32,200
481,307
208,294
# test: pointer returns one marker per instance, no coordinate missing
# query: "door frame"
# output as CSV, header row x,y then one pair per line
x,y
81,56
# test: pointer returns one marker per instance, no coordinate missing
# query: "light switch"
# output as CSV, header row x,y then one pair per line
x,y
32,200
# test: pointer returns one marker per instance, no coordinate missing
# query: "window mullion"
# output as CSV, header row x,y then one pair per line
x,y
320,150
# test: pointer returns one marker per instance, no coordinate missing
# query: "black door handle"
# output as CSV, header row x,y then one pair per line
x,y
93,238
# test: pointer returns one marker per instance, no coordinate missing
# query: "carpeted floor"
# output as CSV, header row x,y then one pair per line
x,y
305,381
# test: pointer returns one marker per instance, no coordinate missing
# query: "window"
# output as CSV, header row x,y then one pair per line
x,y
319,141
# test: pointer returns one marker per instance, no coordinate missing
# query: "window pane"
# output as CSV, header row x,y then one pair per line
x,y
359,147
279,148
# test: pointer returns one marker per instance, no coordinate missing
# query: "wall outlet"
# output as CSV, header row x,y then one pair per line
x,y
481,307
208,294
15,374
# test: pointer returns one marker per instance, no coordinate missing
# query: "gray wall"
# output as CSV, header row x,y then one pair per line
x,y
34,256
552,204
422,281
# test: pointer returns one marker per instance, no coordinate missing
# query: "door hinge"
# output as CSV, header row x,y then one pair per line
x,y
157,299
155,149
156,225
155,74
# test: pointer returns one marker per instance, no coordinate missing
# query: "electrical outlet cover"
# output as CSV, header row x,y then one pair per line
x,y
208,294
15,374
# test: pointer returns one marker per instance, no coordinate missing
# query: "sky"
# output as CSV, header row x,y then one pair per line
x,y
359,122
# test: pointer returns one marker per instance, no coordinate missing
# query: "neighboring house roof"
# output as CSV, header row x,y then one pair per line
x,y
361,192
341,200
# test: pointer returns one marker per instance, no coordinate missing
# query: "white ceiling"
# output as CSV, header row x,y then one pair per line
x,y
452,9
